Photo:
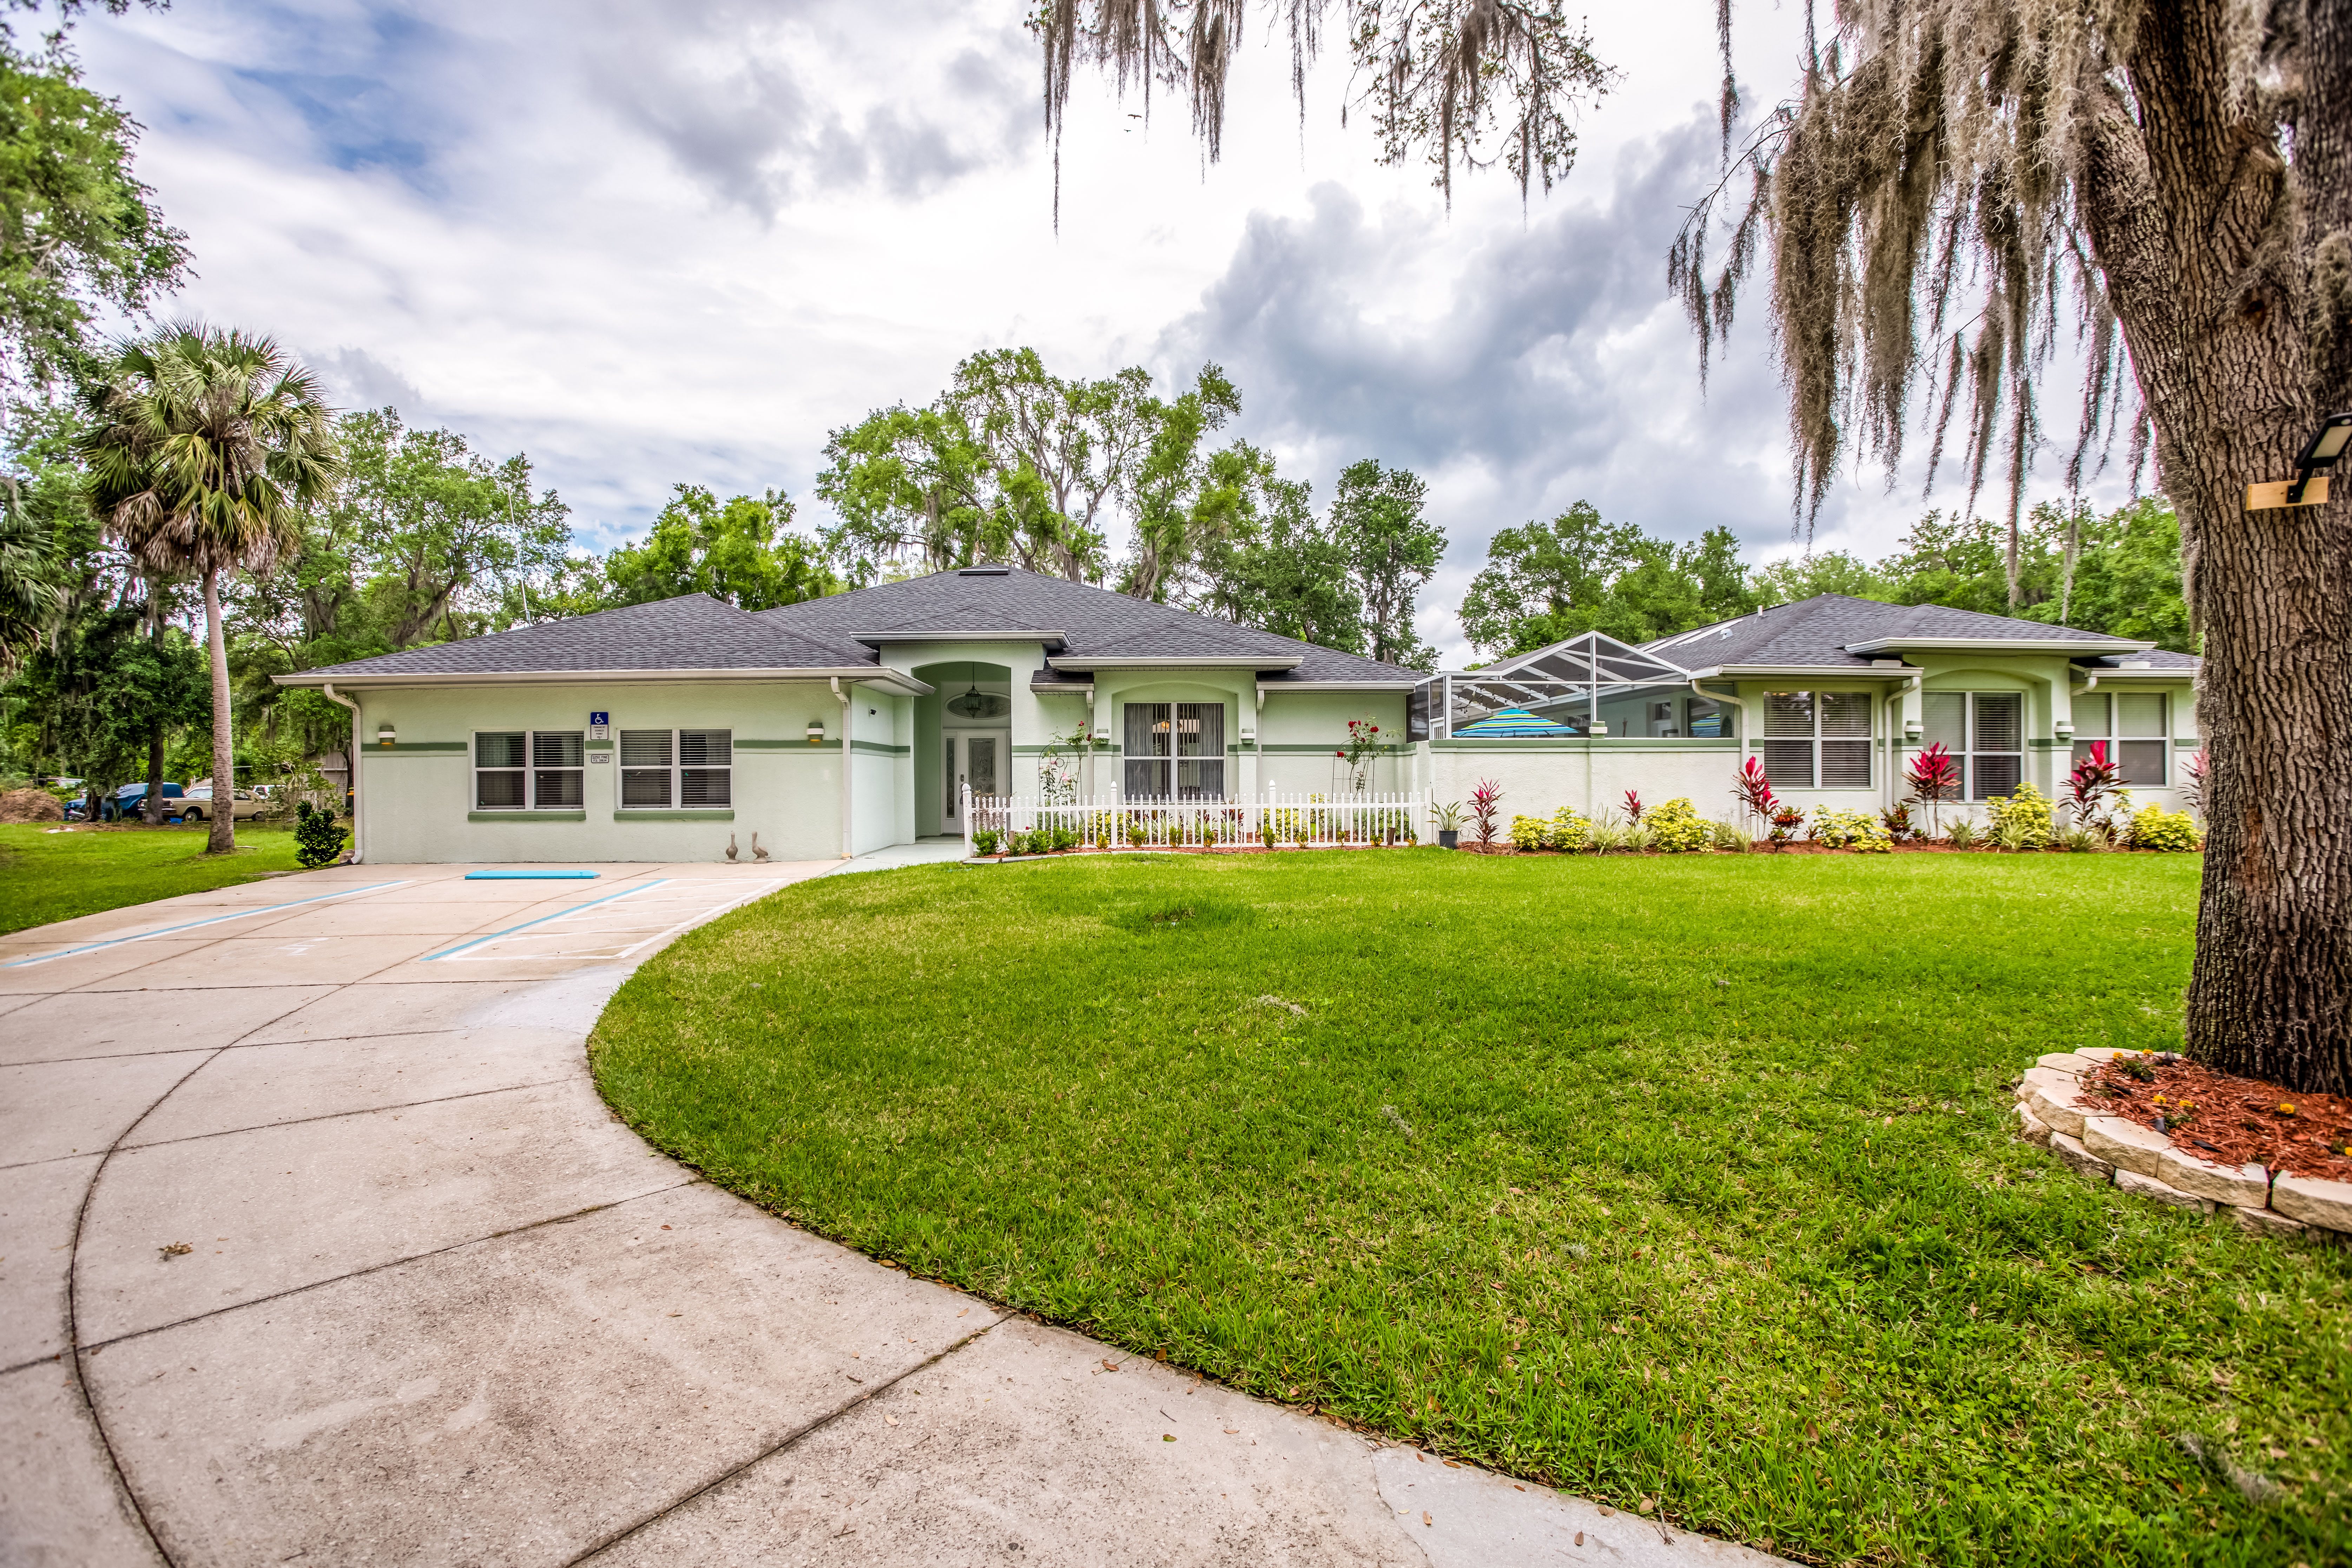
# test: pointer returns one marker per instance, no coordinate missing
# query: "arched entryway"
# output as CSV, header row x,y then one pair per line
x,y
967,724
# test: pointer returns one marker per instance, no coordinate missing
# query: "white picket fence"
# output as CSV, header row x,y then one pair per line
x,y
1284,821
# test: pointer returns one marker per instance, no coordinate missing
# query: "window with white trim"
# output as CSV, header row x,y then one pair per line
x,y
1816,739
1984,732
528,770
1174,749
2130,724
690,770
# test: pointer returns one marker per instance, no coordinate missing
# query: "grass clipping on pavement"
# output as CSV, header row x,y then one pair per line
x,y
1682,1183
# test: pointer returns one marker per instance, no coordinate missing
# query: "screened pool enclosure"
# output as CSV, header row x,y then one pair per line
x,y
1589,685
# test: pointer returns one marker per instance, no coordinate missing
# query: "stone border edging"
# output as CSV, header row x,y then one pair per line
x,y
2141,1160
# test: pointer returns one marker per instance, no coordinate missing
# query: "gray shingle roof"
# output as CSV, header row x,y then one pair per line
x,y
694,632
697,632
1098,623
1817,632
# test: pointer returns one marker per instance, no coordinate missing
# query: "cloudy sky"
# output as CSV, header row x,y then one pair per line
x,y
649,244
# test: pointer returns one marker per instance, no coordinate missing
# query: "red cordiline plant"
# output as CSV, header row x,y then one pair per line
x,y
1484,802
1753,790
1633,806
1934,776
2192,791
2091,789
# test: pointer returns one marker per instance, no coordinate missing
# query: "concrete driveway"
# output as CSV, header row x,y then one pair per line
x,y
316,1245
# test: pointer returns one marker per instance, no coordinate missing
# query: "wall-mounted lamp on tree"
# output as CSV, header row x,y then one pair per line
x,y
2320,454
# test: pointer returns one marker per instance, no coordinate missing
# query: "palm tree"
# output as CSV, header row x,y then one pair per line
x,y
201,444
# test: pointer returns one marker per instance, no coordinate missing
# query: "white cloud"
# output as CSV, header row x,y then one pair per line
x,y
649,243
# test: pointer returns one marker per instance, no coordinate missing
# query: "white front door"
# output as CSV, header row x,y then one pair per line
x,y
976,760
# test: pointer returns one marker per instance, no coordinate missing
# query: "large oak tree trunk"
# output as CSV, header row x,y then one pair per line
x,y
221,818
2210,292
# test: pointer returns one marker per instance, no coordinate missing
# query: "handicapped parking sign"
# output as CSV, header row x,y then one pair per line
x,y
599,720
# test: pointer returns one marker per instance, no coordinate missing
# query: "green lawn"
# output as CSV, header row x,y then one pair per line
x,y
48,876
1688,1179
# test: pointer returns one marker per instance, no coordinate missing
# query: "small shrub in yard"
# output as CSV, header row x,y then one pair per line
x,y
2157,828
1731,836
1064,839
1486,802
1858,830
1896,820
1785,820
317,840
1530,833
984,840
1964,834
2022,820
1676,827
1569,831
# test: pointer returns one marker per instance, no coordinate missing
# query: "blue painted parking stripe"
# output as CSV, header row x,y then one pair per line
x,y
542,920
210,919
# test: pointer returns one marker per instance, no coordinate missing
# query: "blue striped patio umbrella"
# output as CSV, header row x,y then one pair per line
x,y
1513,722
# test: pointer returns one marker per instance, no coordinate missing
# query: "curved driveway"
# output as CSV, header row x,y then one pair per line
x,y
317,1246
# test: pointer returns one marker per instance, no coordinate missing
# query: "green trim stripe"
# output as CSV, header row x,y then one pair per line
x,y
379,750
881,748
673,817
803,745
526,817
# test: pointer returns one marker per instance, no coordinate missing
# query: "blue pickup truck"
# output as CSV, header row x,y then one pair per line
x,y
130,801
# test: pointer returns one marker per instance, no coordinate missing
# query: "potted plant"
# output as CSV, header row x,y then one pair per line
x,y
1448,817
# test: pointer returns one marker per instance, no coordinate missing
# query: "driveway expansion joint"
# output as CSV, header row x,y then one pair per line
x,y
806,1428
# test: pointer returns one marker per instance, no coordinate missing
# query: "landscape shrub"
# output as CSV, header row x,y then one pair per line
x,y
1064,839
1731,836
1858,830
1569,831
984,840
1530,833
2022,820
317,840
2157,828
1676,828
1964,834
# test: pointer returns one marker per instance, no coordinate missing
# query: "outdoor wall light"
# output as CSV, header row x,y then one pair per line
x,y
2320,453
816,732
383,735
2064,730
1911,730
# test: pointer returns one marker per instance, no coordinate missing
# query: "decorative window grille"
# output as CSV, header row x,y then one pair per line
x,y
1985,733
1174,751
687,769
528,770
2132,726
1816,739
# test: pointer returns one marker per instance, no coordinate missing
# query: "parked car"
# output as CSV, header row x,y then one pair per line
x,y
199,807
130,801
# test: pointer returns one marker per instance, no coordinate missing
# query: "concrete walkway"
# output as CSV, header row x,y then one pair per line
x,y
316,1245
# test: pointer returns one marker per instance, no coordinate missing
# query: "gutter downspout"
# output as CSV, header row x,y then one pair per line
x,y
354,758
843,697
1090,740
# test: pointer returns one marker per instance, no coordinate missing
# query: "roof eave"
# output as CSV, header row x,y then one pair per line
x,y
1056,641
863,675
1999,644
1339,686
1177,661
1841,671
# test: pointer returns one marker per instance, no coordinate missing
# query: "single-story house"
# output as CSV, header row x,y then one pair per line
x,y
848,723
660,731
1833,695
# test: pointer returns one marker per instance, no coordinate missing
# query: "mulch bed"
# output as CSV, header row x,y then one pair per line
x,y
2232,1120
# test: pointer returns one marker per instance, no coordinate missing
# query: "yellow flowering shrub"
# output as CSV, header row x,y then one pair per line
x,y
2022,821
1676,828
2153,827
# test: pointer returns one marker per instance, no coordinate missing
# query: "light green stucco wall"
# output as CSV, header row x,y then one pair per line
x,y
417,798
